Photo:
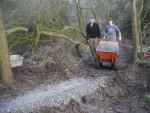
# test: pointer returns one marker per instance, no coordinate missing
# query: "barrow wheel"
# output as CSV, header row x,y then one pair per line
x,y
113,66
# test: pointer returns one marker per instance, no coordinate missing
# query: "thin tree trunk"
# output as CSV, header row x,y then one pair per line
x,y
140,38
134,30
140,29
5,67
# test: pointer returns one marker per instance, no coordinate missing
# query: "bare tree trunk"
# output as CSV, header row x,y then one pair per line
x,y
135,34
5,67
140,29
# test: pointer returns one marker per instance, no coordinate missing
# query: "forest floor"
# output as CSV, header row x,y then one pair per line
x,y
55,81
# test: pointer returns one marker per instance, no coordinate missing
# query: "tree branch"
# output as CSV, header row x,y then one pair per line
x,y
50,34
16,29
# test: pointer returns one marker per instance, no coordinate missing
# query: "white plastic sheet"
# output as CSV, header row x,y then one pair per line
x,y
16,60
108,46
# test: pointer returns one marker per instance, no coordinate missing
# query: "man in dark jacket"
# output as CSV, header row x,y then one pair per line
x,y
93,33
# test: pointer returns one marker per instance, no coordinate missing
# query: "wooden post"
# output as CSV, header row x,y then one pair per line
x,y
135,34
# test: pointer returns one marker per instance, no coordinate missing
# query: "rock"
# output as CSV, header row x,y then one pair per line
x,y
121,109
111,92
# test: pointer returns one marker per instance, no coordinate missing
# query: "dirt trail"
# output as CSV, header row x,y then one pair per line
x,y
88,91
54,96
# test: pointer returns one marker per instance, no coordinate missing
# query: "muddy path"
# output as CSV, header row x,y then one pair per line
x,y
85,90
124,94
112,92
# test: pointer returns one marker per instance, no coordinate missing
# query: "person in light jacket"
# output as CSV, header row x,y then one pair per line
x,y
112,32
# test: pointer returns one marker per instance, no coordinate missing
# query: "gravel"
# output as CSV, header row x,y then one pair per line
x,y
54,96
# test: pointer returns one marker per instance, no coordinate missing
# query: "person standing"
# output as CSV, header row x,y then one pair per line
x,y
93,33
112,32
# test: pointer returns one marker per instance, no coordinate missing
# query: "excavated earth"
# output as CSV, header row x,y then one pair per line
x,y
57,82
